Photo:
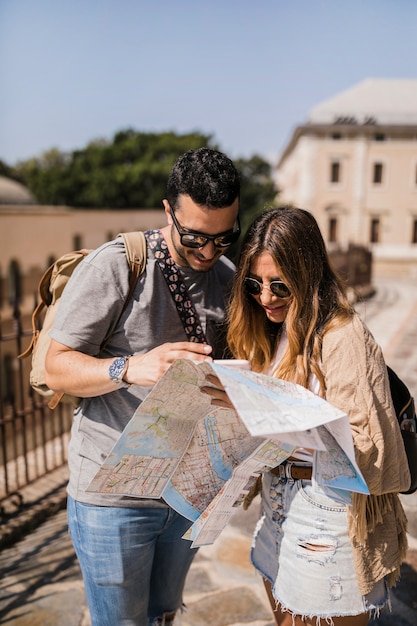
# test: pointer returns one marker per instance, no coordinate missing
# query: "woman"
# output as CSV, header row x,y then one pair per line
x,y
322,562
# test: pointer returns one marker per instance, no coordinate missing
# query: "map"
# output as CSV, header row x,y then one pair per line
x,y
201,459
177,445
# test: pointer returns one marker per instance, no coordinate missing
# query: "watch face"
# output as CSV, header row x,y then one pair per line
x,y
117,367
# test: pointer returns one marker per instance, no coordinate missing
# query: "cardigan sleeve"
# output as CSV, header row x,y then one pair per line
x,y
357,383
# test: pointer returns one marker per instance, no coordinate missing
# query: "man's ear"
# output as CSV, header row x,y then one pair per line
x,y
167,209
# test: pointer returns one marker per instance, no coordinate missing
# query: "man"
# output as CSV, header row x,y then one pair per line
x,y
132,555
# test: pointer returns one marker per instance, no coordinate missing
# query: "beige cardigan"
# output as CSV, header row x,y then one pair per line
x,y
357,383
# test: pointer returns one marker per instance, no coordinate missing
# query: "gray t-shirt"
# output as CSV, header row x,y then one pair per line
x,y
90,306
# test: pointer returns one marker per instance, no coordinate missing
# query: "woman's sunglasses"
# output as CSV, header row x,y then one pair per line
x,y
277,287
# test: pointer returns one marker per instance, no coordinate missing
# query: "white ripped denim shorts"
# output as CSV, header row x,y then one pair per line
x,y
305,580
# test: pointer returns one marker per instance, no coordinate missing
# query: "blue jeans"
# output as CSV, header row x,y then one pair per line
x,y
133,560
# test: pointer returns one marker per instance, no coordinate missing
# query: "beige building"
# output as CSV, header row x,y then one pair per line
x,y
32,236
354,165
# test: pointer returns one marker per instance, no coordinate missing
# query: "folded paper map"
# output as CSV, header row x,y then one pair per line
x,y
202,459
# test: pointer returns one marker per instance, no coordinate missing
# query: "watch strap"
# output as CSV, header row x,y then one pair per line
x,y
119,380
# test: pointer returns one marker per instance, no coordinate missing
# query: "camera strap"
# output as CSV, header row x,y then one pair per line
x,y
178,290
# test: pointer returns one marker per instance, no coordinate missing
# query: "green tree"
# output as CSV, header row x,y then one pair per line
x,y
128,172
45,176
258,188
6,170
258,193
131,171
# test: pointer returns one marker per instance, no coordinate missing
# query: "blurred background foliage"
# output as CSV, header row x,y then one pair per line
x,y
131,172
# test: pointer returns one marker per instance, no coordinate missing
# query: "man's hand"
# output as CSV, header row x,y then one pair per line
x,y
147,369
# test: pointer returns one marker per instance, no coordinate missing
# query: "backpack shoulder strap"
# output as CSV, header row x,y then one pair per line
x,y
400,394
135,247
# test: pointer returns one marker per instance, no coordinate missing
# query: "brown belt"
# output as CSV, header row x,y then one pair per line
x,y
290,470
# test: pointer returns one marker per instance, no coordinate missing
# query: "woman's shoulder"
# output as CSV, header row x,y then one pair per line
x,y
352,347
351,330
351,341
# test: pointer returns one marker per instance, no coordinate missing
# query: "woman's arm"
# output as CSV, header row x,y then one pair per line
x,y
357,382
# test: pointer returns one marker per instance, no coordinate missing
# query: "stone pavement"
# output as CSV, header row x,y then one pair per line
x,y
40,581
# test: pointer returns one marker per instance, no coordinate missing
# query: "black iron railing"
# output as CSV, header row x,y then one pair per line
x,y
33,439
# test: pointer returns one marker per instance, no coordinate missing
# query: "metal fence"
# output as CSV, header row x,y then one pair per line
x,y
33,438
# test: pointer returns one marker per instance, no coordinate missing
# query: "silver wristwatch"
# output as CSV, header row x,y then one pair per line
x,y
118,369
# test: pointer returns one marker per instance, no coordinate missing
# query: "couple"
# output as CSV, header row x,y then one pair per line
x,y
318,559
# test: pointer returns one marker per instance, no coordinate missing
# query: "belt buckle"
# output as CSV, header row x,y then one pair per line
x,y
287,469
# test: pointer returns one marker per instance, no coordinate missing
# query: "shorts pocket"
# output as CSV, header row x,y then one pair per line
x,y
319,499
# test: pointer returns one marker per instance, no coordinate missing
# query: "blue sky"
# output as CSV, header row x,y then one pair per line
x,y
246,71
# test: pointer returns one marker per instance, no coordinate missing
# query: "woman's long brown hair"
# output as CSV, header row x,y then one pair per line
x,y
293,239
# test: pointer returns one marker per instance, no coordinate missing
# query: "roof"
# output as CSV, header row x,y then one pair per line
x,y
12,192
385,101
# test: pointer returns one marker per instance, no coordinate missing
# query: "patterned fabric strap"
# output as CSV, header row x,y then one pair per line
x,y
188,315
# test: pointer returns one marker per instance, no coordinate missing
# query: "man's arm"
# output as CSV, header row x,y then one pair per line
x,y
85,376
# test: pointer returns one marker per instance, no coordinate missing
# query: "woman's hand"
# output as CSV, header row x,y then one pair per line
x,y
217,392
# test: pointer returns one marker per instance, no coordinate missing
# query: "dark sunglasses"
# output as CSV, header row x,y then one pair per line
x,y
193,239
277,287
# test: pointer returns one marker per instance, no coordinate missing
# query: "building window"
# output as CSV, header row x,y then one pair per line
x,y
375,230
332,230
377,174
414,238
77,242
335,172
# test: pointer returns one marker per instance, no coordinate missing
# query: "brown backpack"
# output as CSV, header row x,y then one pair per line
x,y
50,289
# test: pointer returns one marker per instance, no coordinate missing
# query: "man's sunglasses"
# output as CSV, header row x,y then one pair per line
x,y
193,239
277,287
